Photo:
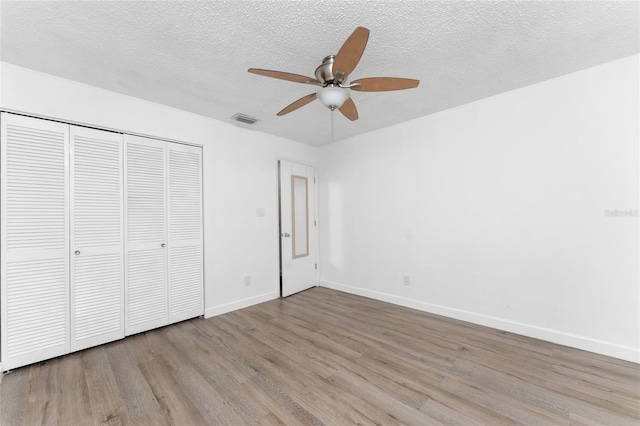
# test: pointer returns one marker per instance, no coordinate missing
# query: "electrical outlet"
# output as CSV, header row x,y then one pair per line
x,y
261,211
406,280
247,280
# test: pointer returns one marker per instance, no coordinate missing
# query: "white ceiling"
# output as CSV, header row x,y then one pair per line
x,y
194,55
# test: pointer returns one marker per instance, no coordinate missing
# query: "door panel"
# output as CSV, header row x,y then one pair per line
x,y
186,298
146,289
97,300
97,229
145,222
146,203
298,227
34,241
185,232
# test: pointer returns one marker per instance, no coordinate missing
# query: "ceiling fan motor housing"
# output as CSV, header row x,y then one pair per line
x,y
324,73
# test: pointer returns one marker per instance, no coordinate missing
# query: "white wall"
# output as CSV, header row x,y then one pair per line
x,y
240,174
496,211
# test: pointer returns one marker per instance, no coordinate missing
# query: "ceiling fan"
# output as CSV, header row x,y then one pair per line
x,y
332,74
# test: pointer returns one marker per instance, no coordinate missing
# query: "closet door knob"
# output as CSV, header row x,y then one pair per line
x,y
162,245
77,252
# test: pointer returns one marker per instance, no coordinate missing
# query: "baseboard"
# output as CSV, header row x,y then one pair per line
x,y
239,304
626,353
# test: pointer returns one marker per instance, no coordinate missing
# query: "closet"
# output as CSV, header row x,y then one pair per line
x,y
101,237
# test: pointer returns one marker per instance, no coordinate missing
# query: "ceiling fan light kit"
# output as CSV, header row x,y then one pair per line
x,y
332,74
332,96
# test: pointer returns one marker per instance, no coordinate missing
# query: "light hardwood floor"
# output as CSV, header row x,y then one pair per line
x,y
324,357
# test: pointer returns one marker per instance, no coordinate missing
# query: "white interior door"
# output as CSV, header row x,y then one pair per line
x,y
146,304
97,228
185,232
35,240
297,227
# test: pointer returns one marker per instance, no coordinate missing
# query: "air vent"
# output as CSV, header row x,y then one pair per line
x,y
246,119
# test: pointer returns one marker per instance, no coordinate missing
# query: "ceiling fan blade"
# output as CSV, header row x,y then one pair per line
x,y
350,53
284,76
349,110
297,104
383,84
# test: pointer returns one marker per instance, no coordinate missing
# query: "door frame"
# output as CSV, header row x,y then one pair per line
x,y
315,213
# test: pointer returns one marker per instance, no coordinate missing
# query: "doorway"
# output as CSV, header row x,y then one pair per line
x,y
298,227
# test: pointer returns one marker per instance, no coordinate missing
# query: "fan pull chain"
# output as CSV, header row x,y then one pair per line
x,y
333,140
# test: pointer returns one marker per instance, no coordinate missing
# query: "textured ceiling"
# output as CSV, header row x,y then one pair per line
x,y
194,55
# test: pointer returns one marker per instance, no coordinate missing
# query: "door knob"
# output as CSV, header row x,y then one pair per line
x,y
77,252
286,235
162,245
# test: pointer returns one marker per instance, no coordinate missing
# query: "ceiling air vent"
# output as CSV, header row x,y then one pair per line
x,y
246,119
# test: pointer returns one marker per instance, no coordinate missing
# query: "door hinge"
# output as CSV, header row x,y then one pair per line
x,y
314,179
316,266
314,223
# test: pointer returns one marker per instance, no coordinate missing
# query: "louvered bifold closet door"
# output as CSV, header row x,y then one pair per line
x,y
145,224
35,240
185,232
97,232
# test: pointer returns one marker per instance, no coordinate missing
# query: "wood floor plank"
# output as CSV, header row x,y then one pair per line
x,y
451,408
106,401
73,394
393,408
562,384
242,409
322,357
228,357
173,402
505,405
269,419
278,402
14,388
140,403
197,374
42,395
